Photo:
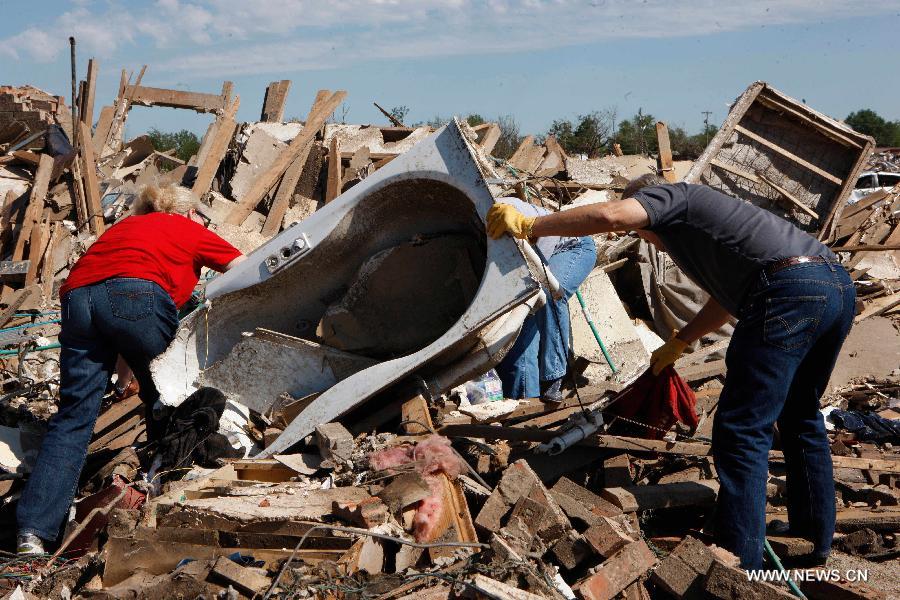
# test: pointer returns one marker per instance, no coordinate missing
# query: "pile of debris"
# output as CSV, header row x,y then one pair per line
x,y
396,485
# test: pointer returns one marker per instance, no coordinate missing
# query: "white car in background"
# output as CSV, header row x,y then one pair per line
x,y
872,181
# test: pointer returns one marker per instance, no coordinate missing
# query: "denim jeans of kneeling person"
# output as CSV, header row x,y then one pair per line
x,y
132,317
789,332
541,352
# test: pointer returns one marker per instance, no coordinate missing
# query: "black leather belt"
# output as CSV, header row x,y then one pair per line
x,y
791,261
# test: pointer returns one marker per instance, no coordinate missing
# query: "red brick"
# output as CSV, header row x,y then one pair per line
x,y
615,573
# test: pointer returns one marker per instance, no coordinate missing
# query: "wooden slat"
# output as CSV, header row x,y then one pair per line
x,y
491,137
788,154
520,156
56,234
90,89
774,104
35,205
664,160
217,148
273,103
335,170
102,131
289,181
267,180
788,196
91,185
40,237
197,101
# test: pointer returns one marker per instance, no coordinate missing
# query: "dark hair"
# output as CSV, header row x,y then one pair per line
x,y
636,184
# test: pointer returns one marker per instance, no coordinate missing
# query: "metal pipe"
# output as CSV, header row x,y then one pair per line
x,y
74,99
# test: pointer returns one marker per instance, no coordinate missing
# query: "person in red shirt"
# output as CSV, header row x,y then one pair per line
x,y
121,298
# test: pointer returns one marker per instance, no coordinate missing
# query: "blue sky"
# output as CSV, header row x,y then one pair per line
x,y
534,59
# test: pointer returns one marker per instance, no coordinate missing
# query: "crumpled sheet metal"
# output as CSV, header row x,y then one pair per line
x,y
437,187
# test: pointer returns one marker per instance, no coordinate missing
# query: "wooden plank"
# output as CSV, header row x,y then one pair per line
x,y
267,180
879,306
665,495
821,127
196,101
664,161
90,89
788,154
522,153
217,148
102,131
40,236
788,196
91,185
18,299
335,171
35,209
724,134
274,100
491,137
289,181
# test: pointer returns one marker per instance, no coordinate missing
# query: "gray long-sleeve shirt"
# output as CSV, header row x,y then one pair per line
x,y
719,241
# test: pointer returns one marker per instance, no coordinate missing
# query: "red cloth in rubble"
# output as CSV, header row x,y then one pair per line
x,y
657,400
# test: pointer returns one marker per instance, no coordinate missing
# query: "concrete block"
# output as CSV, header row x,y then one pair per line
x,y
616,328
730,583
335,442
617,572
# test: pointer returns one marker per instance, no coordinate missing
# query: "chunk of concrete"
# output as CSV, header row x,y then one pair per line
x,y
616,329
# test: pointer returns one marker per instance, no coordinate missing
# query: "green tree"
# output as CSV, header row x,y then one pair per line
x,y
868,122
185,143
638,134
588,134
399,112
475,119
690,147
509,137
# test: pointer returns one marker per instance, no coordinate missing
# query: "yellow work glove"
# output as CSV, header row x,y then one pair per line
x,y
667,354
503,218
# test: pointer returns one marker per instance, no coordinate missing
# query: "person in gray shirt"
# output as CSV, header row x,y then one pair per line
x,y
794,306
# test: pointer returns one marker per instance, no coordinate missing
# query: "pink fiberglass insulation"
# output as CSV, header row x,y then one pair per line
x,y
432,456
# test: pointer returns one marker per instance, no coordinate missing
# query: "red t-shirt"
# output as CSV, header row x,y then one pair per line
x,y
164,248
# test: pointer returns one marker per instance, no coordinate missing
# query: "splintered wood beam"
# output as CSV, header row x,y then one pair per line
x,y
35,209
104,121
664,160
273,103
289,181
197,101
522,153
333,187
90,88
788,154
40,236
788,196
394,120
490,138
217,148
91,184
266,181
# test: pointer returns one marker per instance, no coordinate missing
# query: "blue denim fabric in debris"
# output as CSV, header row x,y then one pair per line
x,y
541,352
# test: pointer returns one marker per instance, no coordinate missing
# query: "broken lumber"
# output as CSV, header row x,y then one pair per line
x,y
218,146
664,163
267,180
666,495
274,100
91,185
197,101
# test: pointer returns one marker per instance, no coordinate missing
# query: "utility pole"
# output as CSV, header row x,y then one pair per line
x,y
706,114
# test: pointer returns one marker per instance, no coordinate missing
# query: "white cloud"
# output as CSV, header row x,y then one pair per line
x,y
230,37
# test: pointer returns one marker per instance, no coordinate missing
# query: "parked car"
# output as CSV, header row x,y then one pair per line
x,y
872,181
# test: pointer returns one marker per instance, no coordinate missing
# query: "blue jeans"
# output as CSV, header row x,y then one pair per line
x,y
132,317
789,332
541,352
